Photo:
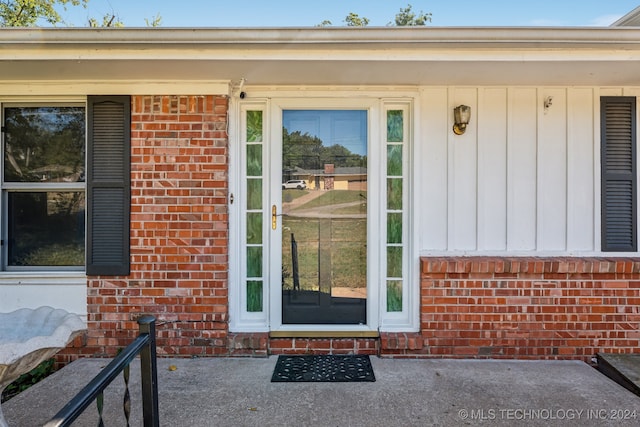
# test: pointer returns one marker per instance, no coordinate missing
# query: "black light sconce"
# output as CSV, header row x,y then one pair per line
x,y
461,116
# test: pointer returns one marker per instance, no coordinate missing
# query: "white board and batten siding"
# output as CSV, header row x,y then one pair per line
x,y
524,179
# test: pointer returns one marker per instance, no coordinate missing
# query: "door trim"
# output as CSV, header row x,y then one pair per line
x,y
310,97
324,334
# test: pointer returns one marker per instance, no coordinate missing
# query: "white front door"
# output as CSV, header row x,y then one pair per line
x,y
322,221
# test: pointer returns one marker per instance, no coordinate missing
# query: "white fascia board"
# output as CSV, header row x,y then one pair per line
x,y
335,35
149,42
275,54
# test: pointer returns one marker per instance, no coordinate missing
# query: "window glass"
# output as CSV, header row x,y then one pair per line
x,y
46,228
44,144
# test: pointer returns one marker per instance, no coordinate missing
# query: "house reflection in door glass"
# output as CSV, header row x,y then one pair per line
x,y
324,240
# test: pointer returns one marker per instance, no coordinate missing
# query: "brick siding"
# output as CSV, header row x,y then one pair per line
x,y
179,232
531,308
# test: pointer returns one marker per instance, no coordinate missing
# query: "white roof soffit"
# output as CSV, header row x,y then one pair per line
x,y
327,56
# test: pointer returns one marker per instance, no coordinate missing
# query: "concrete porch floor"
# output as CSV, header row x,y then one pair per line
x,y
432,392
622,368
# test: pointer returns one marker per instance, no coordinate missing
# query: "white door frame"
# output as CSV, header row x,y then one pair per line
x,y
272,102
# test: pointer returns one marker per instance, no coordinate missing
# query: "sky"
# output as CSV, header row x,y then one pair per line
x,y
305,13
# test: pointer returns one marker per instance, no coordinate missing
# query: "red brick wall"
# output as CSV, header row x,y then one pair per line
x,y
179,232
260,344
555,308
323,346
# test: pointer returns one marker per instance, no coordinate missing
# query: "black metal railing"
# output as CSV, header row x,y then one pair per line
x,y
145,345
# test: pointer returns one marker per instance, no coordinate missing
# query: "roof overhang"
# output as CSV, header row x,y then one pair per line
x,y
631,19
603,56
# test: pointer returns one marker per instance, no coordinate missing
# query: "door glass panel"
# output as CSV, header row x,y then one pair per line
x,y
395,126
254,219
254,296
324,216
254,261
254,160
395,252
254,126
254,193
394,261
394,228
394,160
254,227
394,295
394,194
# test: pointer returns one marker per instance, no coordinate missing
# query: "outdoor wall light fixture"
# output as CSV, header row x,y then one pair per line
x,y
461,116
239,88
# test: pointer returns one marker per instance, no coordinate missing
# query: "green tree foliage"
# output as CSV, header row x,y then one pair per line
x,y
307,152
301,150
156,21
354,20
26,13
407,18
108,20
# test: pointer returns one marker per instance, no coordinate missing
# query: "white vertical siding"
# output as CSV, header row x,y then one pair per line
x,y
431,193
552,170
522,186
523,178
492,169
611,91
580,170
463,164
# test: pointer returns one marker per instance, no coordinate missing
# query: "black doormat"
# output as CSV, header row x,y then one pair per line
x,y
323,368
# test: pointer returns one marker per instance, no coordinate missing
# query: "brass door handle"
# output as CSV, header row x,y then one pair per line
x,y
274,217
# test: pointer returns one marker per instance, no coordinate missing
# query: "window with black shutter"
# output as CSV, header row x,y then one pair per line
x,y
619,183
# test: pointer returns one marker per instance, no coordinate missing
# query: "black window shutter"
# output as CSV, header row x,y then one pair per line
x,y
618,162
108,185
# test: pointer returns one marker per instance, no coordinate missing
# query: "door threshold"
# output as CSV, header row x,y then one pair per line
x,y
324,334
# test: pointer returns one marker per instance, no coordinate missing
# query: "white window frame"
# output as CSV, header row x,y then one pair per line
x,y
51,273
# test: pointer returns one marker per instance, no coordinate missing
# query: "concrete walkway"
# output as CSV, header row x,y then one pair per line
x,y
433,392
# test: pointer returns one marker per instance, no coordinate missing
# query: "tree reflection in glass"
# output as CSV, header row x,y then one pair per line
x,y
44,144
